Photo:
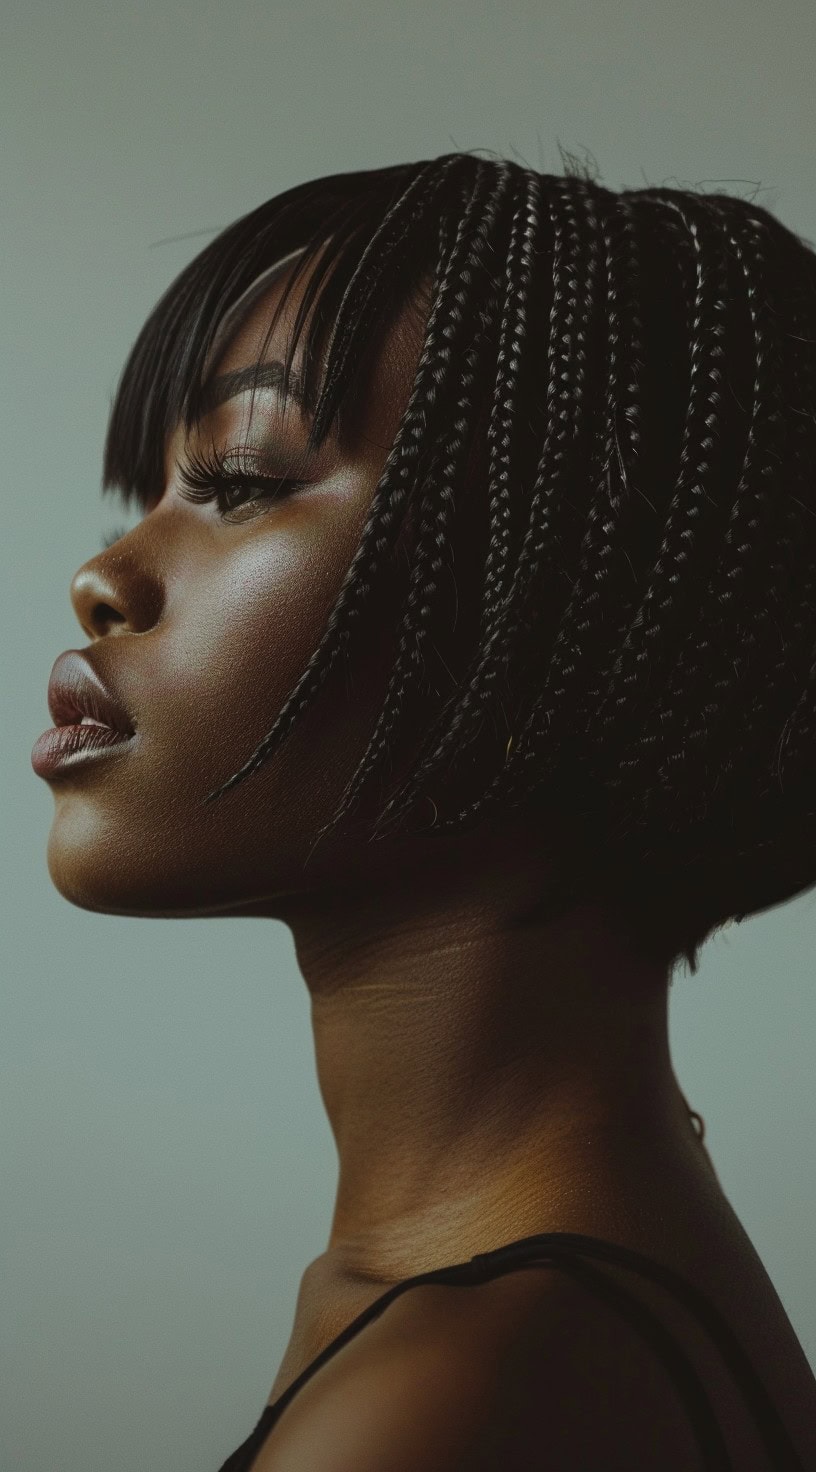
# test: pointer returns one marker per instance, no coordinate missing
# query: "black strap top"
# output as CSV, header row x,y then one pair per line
x,y
570,1251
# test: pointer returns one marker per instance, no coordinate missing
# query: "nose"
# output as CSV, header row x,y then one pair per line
x,y
111,595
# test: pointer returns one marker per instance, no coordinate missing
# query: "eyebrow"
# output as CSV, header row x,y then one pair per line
x,y
265,375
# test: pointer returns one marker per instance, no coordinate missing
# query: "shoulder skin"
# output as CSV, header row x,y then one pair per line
x,y
525,1372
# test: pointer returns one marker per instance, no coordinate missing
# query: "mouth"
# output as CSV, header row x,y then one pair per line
x,y
77,696
65,747
88,718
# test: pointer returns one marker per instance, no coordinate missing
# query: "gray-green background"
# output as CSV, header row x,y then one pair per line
x,y
166,1168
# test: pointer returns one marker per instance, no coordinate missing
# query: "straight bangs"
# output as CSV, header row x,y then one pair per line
x,y
373,238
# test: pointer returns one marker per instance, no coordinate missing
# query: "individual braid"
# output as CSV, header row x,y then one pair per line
x,y
603,581
464,711
570,210
686,548
371,282
621,470
793,561
719,616
794,748
503,419
437,507
436,502
575,462
796,743
379,533
562,478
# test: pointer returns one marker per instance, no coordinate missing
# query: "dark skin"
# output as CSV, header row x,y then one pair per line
x,y
484,1080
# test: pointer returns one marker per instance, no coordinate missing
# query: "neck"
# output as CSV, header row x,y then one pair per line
x,y
485,1078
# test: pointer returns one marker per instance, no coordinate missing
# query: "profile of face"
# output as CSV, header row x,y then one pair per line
x,y
200,621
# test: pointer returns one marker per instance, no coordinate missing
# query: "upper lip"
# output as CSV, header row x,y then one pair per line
x,y
75,689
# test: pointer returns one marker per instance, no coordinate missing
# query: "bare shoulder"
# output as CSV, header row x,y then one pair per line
x,y
526,1370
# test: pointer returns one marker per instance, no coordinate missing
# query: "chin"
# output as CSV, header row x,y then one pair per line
x,y
96,866
99,864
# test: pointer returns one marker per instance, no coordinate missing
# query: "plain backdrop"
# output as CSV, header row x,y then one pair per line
x,y
167,1170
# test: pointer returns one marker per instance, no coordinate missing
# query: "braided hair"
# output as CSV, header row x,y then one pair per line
x,y
640,367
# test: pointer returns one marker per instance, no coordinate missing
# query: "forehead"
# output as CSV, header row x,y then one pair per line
x,y
386,371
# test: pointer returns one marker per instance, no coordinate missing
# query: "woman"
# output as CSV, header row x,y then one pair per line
x,y
468,629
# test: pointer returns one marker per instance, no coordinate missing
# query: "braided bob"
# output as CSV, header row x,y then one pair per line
x,y
641,369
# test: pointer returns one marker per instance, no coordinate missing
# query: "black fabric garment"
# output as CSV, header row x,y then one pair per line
x,y
570,1252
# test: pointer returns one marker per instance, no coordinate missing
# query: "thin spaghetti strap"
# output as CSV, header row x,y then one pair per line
x,y
701,1414
242,1459
567,1251
462,1274
457,1274
568,1245
706,1427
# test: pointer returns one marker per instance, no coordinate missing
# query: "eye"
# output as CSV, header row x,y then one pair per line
x,y
234,492
231,481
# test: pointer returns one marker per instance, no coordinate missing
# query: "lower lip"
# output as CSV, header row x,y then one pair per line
x,y
67,746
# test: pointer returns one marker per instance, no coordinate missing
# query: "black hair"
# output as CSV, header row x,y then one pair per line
x,y
641,366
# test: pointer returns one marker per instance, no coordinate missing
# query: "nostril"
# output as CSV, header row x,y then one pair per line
x,y
104,616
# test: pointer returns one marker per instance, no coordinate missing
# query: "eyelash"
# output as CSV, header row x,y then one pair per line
x,y
209,478
213,476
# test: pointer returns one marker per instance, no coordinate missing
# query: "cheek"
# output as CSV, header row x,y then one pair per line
x,y
207,683
240,642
